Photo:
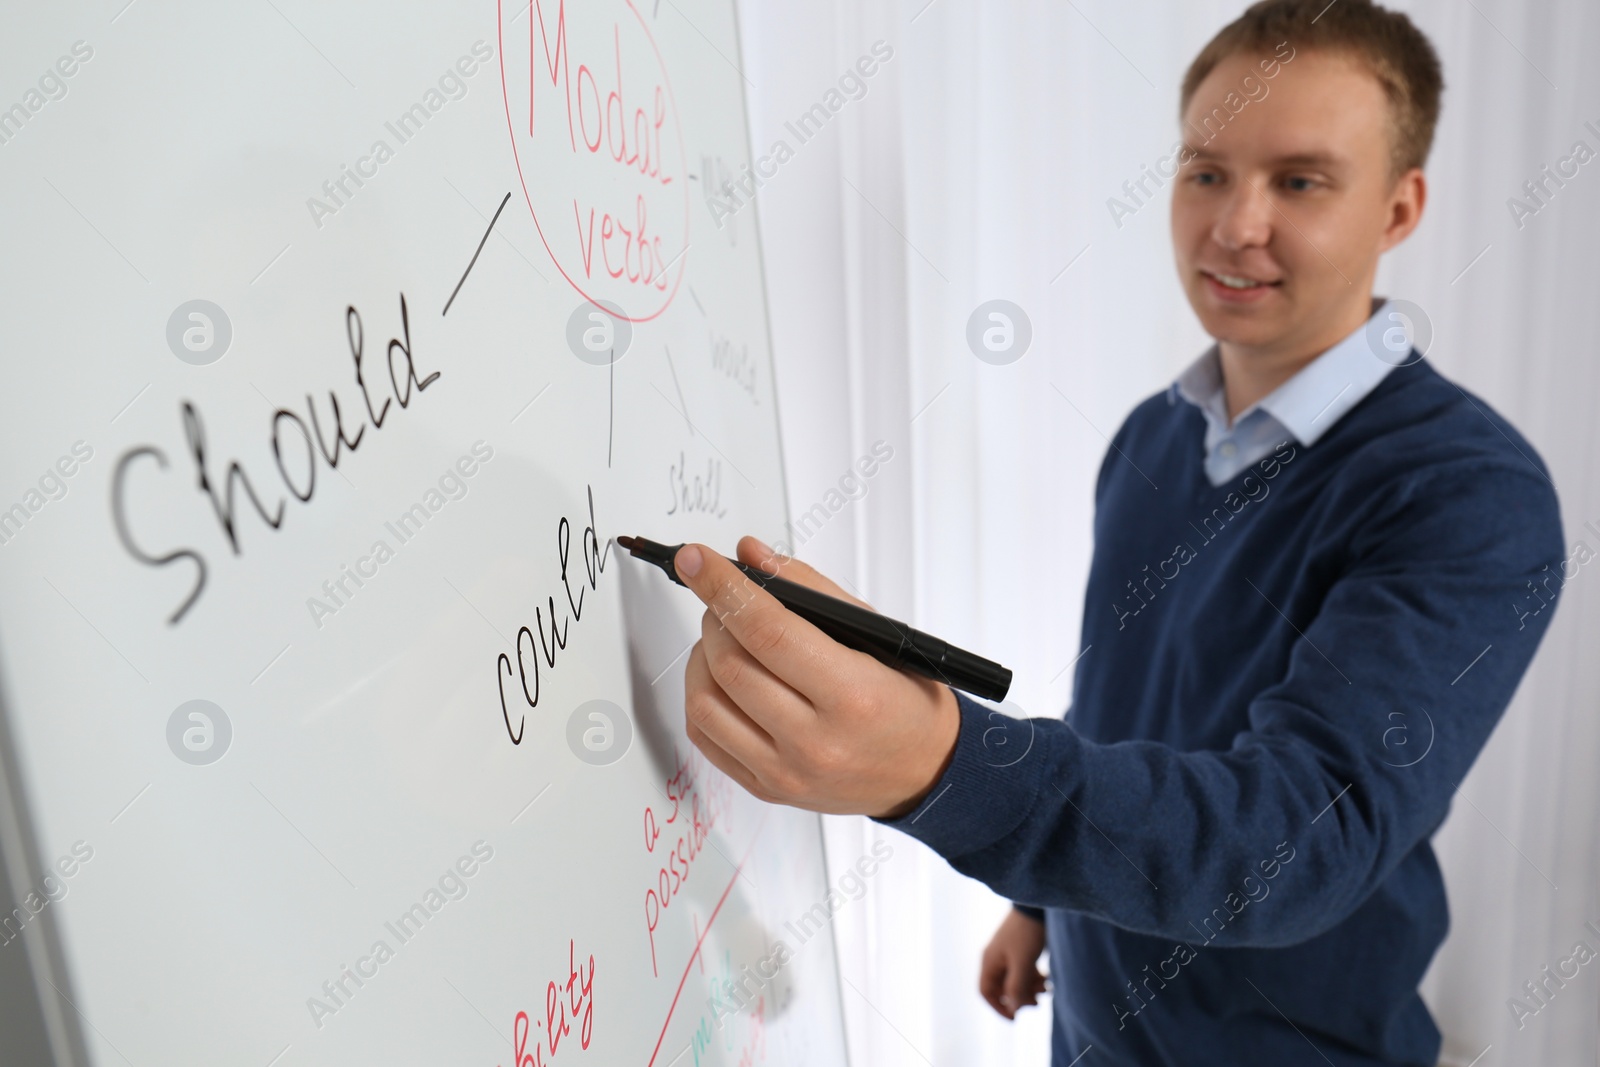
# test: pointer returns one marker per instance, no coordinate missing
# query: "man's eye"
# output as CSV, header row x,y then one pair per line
x,y
1300,184
1206,177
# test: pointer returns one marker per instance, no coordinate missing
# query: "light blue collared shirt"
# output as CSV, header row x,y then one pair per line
x,y
1305,407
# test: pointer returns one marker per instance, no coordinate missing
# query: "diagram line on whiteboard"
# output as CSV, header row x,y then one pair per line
x,y
476,254
712,918
684,404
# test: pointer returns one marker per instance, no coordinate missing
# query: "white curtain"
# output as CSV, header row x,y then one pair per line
x,y
977,165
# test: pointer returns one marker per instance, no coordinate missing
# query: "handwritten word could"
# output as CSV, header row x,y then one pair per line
x,y
564,1003
450,886
52,486
452,485
700,805
594,564
301,482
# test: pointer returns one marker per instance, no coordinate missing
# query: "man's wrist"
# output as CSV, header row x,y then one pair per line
x,y
945,734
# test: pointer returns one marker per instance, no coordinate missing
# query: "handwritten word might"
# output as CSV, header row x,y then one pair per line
x,y
699,805
300,481
564,1003
734,363
594,564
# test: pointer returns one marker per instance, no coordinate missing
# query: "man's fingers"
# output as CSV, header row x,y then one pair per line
x,y
756,554
712,713
787,645
719,758
1019,985
767,699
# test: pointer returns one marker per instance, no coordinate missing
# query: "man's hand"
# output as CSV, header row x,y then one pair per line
x,y
1009,976
794,716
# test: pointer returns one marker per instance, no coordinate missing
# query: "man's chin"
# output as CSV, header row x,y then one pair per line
x,y
1245,327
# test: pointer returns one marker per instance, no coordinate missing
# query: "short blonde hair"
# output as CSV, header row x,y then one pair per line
x,y
1398,54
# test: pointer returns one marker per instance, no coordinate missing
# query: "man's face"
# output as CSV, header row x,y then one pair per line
x,y
1279,218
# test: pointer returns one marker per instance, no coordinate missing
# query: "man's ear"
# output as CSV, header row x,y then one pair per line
x,y
1406,201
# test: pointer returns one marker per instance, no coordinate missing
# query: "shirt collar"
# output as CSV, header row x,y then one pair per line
x,y
1308,403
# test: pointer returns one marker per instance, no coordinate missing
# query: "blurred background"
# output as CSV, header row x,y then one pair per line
x,y
977,164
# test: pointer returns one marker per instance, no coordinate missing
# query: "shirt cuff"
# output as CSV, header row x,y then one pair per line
x,y
1036,914
994,778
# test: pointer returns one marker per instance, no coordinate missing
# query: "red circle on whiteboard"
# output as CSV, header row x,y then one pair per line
x,y
586,288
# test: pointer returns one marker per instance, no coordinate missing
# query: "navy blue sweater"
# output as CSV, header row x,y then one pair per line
x,y
1283,681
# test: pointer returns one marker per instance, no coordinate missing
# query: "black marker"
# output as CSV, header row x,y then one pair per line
x,y
892,643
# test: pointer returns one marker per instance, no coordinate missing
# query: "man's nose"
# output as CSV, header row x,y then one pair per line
x,y
1246,219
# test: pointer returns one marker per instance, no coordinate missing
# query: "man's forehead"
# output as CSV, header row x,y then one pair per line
x,y
1292,149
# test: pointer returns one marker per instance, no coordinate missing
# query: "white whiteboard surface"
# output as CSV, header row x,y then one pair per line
x,y
184,909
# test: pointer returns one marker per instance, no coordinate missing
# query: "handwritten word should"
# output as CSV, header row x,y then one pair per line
x,y
299,474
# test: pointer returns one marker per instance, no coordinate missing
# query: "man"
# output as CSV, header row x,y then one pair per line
x,y
1306,612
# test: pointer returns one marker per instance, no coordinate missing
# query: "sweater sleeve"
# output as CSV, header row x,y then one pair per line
x,y
1347,763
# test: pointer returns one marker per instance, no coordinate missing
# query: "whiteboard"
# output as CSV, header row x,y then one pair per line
x,y
336,731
